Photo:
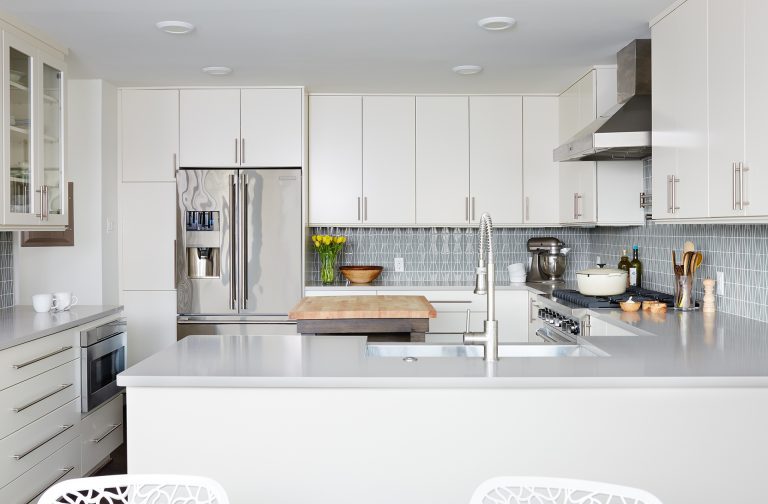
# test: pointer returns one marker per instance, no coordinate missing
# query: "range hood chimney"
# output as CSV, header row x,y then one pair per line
x,y
624,131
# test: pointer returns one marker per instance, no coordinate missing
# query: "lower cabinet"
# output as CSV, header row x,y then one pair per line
x,y
534,322
151,322
599,327
101,432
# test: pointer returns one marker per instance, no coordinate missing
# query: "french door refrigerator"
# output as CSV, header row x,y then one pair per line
x,y
238,252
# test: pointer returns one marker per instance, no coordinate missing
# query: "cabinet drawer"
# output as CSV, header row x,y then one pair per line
x,y
20,451
29,359
62,465
101,432
27,401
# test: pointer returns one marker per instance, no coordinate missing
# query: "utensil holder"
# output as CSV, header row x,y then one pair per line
x,y
684,292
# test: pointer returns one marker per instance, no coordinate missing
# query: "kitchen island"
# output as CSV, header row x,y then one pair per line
x,y
299,418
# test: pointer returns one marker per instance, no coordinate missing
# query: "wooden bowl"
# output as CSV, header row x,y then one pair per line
x,y
630,307
361,274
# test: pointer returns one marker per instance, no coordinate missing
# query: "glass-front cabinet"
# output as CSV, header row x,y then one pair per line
x,y
34,192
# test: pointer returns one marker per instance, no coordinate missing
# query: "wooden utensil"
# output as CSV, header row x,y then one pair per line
x,y
687,262
698,258
689,247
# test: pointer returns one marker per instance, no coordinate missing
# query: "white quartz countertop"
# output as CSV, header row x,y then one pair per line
x,y
19,324
340,287
683,350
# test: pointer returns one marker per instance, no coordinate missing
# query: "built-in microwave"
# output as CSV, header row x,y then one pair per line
x,y
102,358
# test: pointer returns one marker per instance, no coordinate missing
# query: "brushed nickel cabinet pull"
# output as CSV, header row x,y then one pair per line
x,y
38,359
19,409
527,208
466,209
579,198
365,208
112,428
670,189
236,150
473,208
64,471
675,181
62,429
242,150
359,208
734,169
742,169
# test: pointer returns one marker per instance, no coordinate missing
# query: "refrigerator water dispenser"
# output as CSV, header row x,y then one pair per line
x,y
203,243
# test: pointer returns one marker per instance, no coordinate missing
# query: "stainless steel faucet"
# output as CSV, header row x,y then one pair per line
x,y
486,284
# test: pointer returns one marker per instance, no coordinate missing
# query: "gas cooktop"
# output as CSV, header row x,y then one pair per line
x,y
576,298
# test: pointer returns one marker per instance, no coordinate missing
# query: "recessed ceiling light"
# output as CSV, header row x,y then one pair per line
x,y
175,27
217,70
497,23
467,69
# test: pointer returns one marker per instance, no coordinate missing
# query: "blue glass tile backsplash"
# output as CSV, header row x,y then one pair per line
x,y
6,269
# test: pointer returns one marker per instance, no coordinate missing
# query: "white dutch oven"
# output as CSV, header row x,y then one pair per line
x,y
602,282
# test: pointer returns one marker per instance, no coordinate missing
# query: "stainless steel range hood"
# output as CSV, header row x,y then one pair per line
x,y
624,131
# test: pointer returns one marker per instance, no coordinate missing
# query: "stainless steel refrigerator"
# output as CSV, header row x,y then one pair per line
x,y
238,252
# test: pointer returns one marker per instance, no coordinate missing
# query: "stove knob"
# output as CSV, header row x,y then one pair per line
x,y
575,329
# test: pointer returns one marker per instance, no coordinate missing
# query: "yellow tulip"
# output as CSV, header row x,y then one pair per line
x,y
343,239
327,240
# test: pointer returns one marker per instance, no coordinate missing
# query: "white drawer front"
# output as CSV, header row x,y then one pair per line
x,y
27,401
101,433
62,465
26,447
25,361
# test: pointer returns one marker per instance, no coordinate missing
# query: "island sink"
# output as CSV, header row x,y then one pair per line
x,y
419,350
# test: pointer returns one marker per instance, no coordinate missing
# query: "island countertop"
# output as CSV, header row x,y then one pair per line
x,y
723,351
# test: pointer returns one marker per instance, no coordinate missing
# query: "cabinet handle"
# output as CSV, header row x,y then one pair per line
x,y
175,170
38,359
466,209
734,169
40,215
62,429
236,149
675,181
45,202
742,169
576,212
473,208
527,208
64,471
19,409
112,428
359,208
365,208
232,244
242,150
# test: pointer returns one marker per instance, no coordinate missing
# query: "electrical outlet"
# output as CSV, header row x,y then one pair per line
x,y
399,264
720,290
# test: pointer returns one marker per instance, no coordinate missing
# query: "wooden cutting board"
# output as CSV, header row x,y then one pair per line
x,y
362,307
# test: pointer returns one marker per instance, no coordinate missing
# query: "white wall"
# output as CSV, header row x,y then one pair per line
x,y
110,291
91,120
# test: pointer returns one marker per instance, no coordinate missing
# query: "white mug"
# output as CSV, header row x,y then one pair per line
x,y
42,302
64,300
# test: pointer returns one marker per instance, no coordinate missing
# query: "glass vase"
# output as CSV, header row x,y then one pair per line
x,y
327,268
684,292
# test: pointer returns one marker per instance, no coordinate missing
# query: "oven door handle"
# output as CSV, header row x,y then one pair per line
x,y
543,334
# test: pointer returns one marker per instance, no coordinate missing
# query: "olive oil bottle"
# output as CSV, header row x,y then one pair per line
x,y
624,263
635,269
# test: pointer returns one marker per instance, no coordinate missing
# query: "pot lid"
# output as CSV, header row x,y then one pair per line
x,y
602,272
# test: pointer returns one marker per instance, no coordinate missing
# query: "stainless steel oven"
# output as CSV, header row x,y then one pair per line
x,y
102,357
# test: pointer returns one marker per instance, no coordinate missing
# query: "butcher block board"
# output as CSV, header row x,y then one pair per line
x,y
362,307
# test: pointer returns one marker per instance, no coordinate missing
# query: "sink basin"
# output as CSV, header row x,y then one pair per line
x,y
519,350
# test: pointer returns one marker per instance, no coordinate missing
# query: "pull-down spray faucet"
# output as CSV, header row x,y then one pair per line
x,y
486,284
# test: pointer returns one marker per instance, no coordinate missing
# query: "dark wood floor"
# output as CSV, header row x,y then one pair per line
x,y
118,464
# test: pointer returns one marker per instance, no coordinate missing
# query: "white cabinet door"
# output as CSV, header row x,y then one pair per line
x,y
619,184
271,127
568,180
577,192
496,158
540,172
587,194
152,316
726,105
756,72
512,315
568,111
209,128
149,134
148,215
442,160
335,159
680,124
389,144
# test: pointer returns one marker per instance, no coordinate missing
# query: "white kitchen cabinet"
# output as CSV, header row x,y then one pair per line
x,y
540,172
577,192
600,327
619,184
756,108
335,160
496,158
148,224
680,125
101,432
512,314
209,125
254,127
152,319
34,98
149,134
587,98
271,131
534,322
442,160
389,147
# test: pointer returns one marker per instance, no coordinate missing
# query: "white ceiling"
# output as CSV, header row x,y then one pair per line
x,y
341,45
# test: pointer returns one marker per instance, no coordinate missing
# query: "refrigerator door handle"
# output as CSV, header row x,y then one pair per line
x,y
232,244
244,244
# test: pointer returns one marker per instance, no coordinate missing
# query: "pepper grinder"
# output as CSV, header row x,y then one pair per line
x,y
709,296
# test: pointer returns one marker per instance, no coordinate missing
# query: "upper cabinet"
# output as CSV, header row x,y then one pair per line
x,y
229,128
710,111
34,96
149,133
540,172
